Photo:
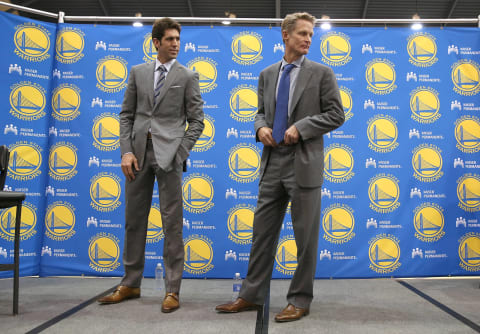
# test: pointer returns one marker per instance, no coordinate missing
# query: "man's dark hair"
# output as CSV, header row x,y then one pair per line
x,y
161,25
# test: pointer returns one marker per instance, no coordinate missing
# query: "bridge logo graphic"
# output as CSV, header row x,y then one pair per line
x,y
66,102
384,253
247,48
244,103
244,163
338,163
469,252
380,75
422,49
198,254
27,101
197,193
240,224
382,133
425,105
62,161
111,74
335,48
32,42
384,192
69,45
347,102
429,222
207,73
27,223
427,163
105,192
468,192
467,134
149,50
104,252
25,161
205,141
155,225
466,77
60,221
106,132
338,224
286,256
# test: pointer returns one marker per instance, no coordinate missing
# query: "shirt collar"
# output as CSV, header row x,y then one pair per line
x,y
168,64
297,63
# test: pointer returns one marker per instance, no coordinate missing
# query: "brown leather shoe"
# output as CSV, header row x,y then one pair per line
x,y
291,313
238,305
170,302
120,294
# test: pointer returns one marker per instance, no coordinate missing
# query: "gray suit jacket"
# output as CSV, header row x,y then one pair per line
x,y
316,109
179,102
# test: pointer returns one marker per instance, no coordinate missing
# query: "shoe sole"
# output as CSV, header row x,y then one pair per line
x,y
169,310
251,308
116,302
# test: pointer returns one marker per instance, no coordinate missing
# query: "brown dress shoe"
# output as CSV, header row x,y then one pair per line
x,y
120,294
238,305
170,302
291,313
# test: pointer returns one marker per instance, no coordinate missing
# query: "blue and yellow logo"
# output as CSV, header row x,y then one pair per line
x,y
384,253
155,225
27,223
207,73
347,102
105,192
380,76
338,224
427,163
469,252
104,252
198,254
384,192
244,103
467,134
240,224
197,193
338,163
244,163
466,77
335,48
60,221
425,105
25,161
422,49
28,101
205,141
149,50
69,45
382,133
62,161
429,222
66,102
286,256
32,42
111,74
468,192
106,132
247,48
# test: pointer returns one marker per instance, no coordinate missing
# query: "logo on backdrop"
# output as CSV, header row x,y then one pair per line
x,y
60,221
62,161
384,253
240,224
467,134
335,48
104,252
197,193
111,74
427,163
25,160
380,76
105,192
155,225
468,192
244,163
69,45
27,100
338,163
247,48
32,42
422,49
27,223
205,141
198,254
347,102
243,103
469,251
466,77
106,132
338,224
382,133
429,222
425,105
384,192
286,256
66,102
149,50
207,73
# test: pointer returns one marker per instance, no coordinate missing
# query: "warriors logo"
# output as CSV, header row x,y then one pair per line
x,y
155,225
384,254
106,132
60,221
247,48
66,102
429,222
335,48
104,252
25,161
28,101
425,105
422,49
380,76
240,224
468,192
467,134
205,141
69,45
111,74
286,256
465,77
27,223
149,50
347,102
244,163
105,192
382,133
32,42
244,103
207,73
62,161
427,163
384,192
338,223
338,163
198,255
197,192
469,252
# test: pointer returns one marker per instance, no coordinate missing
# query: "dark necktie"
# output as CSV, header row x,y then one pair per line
x,y
160,81
281,109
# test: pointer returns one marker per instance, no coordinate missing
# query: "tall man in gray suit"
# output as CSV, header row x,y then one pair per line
x,y
161,98
298,102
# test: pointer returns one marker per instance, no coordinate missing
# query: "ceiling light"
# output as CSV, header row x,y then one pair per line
x,y
325,25
416,25
138,23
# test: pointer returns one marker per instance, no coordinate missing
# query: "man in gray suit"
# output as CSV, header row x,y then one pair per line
x,y
161,98
298,102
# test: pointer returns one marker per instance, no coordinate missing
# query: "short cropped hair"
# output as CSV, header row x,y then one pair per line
x,y
161,25
290,20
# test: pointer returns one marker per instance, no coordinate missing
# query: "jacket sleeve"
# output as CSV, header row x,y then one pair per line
x,y
127,114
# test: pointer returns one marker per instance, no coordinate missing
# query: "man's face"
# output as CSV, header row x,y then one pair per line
x,y
169,46
299,39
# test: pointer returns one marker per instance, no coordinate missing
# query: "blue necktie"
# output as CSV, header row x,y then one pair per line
x,y
160,81
281,109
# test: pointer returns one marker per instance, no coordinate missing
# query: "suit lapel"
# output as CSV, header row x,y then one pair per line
x,y
150,77
172,74
302,80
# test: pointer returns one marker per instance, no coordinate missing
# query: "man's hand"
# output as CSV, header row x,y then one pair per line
x,y
291,135
265,136
129,160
